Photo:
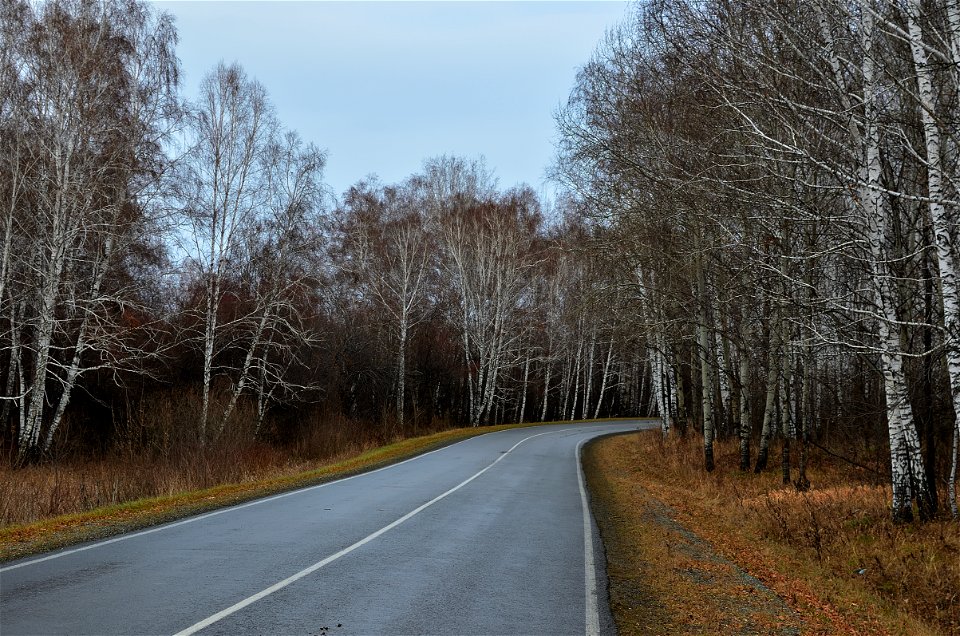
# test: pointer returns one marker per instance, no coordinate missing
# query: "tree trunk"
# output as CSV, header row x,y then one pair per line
x,y
773,380
576,376
402,372
706,368
244,377
526,377
546,391
946,262
786,411
723,374
907,473
603,381
745,417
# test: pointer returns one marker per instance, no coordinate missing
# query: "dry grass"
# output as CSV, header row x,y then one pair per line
x,y
663,579
71,486
832,553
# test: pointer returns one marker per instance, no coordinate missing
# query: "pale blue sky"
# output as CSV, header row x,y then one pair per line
x,y
384,85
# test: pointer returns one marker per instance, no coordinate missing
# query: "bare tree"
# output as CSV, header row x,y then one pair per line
x,y
93,100
487,256
224,190
388,247
279,278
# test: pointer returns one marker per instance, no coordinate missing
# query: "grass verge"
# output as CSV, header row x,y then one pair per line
x,y
673,532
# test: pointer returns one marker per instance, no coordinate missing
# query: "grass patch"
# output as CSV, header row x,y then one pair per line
x,y
61,486
809,548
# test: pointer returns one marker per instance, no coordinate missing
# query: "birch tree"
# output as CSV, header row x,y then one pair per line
x,y
94,100
941,170
224,190
771,146
391,251
487,256
279,276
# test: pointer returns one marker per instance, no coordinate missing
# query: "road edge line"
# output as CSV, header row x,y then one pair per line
x,y
591,609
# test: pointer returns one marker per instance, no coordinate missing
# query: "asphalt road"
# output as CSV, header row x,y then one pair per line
x,y
488,536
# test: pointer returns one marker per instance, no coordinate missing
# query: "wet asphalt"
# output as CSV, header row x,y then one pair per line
x,y
482,537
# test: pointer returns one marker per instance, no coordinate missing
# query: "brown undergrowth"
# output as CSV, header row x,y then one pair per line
x,y
77,484
831,553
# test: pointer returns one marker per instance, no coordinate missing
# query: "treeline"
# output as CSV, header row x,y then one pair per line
x,y
176,274
782,178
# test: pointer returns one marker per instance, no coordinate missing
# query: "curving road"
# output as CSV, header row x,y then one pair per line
x,y
491,535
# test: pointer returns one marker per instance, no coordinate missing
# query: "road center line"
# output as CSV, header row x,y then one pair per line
x,y
589,568
333,557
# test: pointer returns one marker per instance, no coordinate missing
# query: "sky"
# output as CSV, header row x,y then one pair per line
x,y
382,86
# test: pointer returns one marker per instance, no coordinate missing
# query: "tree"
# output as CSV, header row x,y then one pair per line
x,y
224,190
795,148
279,276
92,99
387,246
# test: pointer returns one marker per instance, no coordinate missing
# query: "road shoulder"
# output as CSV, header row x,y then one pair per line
x,y
663,578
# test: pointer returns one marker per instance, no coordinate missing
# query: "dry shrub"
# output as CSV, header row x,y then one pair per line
x,y
158,456
848,529
334,436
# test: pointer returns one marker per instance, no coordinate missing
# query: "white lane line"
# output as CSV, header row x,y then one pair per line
x,y
255,502
589,569
333,557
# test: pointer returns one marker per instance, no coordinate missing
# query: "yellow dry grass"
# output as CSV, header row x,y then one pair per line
x,y
832,553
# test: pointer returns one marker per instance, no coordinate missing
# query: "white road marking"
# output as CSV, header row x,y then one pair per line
x,y
589,568
333,557
255,502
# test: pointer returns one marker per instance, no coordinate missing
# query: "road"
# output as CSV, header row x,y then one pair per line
x,y
487,536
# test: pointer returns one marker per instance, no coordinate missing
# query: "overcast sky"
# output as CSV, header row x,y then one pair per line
x,y
384,85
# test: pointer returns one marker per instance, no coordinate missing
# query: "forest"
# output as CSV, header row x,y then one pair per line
x,y
781,178
756,240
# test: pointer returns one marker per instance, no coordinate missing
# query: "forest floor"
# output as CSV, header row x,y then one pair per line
x,y
738,553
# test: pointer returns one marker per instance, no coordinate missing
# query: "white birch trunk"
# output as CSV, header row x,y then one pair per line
x,y
245,370
655,403
80,342
706,368
745,417
565,388
576,377
723,373
546,391
946,262
526,379
603,380
673,390
209,336
774,360
907,473
402,370
588,377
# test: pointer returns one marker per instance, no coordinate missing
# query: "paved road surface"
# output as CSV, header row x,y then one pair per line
x,y
486,536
